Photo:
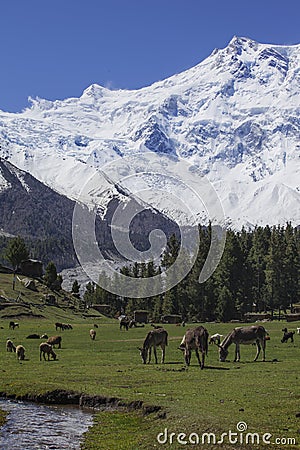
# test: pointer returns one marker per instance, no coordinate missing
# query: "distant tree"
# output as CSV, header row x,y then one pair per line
x,y
50,276
89,294
227,279
58,283
171,251
75,287
257,265
275,275
225,307
291,267
16,251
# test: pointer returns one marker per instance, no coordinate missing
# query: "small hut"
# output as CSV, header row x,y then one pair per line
x,y
50,299
140,316
292,317
255,317
171,318
102,309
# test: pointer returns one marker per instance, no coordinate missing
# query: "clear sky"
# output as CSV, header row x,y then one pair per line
x,y
55,49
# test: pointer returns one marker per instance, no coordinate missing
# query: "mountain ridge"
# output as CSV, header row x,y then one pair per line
x,y
235,116
44,218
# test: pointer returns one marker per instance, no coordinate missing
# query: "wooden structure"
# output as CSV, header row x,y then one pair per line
x,y
292,317
50,299
140,316
171,318
102,309
253,317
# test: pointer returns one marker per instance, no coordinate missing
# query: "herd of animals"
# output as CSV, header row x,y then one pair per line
x,y
196,339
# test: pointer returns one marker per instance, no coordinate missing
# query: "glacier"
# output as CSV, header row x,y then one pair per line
x,y
234,117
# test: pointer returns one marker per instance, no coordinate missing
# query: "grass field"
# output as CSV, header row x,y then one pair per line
x,y
264,395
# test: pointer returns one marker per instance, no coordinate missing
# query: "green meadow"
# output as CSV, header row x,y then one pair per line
x,y
264,395
193,403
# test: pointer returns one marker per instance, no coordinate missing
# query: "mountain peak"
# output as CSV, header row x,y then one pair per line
x,y
95,92
235,116
238,44
242,41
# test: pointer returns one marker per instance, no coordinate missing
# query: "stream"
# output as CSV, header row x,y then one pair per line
x,y
42,427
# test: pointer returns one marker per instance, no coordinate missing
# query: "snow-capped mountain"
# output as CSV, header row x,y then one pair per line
x,y
44,218
235,117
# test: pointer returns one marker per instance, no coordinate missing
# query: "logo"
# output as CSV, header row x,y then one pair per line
x,y
148,180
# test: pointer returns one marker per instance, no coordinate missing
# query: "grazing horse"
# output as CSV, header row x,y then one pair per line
x,y
195,339
13,325
154,339
244,335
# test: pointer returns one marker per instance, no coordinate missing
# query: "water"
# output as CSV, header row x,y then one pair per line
x,y
32,426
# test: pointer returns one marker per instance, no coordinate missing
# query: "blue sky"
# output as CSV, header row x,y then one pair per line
x,y
56,49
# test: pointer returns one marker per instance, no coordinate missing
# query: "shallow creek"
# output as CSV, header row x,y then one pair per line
x,y
35,426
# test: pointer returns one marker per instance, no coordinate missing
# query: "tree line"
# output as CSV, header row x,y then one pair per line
x,y
258,272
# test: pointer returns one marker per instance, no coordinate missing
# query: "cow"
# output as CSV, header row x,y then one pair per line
x,y
195,339
154,338
244,335
13,325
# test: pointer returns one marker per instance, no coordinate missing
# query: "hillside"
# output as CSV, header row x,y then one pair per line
x,y
25,304
43,217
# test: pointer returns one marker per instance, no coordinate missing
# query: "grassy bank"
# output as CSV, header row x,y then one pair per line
x,y
263,395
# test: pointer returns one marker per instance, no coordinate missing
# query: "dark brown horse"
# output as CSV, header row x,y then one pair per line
x,y
195,339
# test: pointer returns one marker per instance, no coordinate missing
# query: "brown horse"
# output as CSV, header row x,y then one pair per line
x,y
154,339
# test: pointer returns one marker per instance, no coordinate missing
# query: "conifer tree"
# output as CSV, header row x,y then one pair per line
x,y
291,267
257,265
75,287
16,251
50,276
88,295
275,282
